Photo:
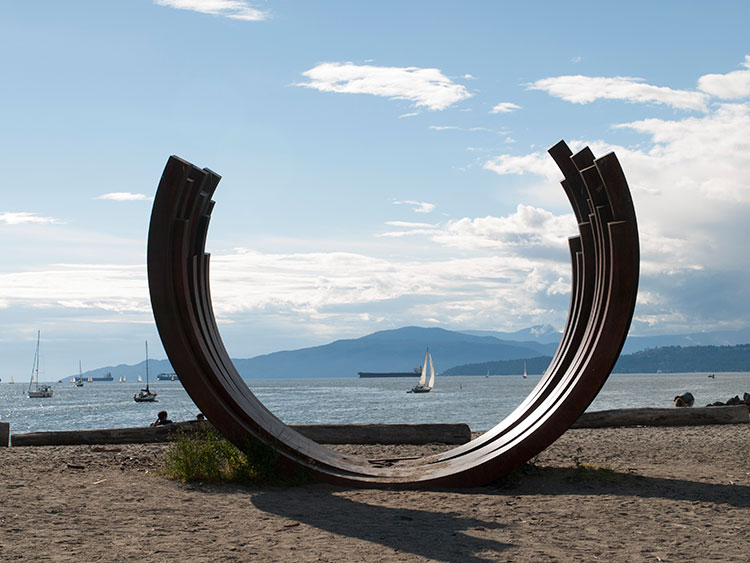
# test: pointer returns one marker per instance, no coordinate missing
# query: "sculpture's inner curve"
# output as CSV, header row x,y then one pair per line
x,y
605,264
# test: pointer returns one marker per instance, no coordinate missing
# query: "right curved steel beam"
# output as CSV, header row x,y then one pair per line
x,y
605,264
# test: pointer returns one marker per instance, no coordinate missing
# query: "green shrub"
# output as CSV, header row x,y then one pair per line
x,y
205,455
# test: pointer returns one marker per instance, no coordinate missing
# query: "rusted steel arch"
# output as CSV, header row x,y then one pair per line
x,y
605,265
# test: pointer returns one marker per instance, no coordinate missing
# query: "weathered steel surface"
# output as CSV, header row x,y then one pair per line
x,y
605,265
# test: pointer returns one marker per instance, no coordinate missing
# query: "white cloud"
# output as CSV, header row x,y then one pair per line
x,y
25,217
534,163
527,227
734,85
586,89
336,289
124,196
689,184
576,60
505,107
412,114
410,224
705,157
233,9
79,286
426,87
419,206
460,292
457,128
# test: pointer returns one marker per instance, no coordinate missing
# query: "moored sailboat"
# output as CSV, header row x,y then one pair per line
x,y
78,381
425,386
145,395
524,371
39,391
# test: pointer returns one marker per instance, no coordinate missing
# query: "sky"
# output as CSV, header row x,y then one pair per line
x,y
384,164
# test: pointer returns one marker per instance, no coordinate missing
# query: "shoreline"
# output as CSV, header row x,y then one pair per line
x,y
620,494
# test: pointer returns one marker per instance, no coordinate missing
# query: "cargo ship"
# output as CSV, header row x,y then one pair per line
x,y
92,379
416,372
168,376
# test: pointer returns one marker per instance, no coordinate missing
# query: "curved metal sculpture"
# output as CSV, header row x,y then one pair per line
x,y
605,264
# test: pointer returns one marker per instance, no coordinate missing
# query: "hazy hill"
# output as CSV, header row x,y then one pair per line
x,y
403,349
679,359
545,334
716,338
670,359
390,350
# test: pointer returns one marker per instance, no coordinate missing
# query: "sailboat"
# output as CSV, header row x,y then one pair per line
x,y
40,391
423,387
524,370
11,379
145,395
78,381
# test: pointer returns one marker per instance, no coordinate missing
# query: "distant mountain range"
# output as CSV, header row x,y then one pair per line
x,y
403,349
669,359
389,350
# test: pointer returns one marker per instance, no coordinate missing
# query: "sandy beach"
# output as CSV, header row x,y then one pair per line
x,y
665,494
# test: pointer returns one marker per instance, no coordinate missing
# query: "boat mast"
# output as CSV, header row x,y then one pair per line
x,y
147,366
431,383
35,368
425,366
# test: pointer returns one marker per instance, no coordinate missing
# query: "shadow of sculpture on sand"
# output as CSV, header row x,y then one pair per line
x,y
587,480
446,536
439,536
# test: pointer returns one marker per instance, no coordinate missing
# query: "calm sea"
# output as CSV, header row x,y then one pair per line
x,y
479,401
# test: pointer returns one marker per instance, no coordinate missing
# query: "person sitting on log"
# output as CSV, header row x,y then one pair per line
x,y
161,419
684,400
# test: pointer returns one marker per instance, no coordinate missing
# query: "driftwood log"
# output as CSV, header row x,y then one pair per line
x,y
323,433
664,417
390,433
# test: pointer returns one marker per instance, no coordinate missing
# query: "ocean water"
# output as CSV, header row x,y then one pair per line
x,y
479,401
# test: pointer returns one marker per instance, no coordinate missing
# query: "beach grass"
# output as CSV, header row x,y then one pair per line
x,y
204,455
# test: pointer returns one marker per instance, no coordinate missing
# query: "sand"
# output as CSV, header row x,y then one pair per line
x,y
673,494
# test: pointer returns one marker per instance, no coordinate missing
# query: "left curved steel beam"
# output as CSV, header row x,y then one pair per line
x,y
604,258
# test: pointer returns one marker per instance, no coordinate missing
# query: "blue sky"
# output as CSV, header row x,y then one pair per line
x,y
383,164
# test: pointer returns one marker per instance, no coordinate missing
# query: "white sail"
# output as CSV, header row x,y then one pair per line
x,y
431,383
524,370
423,376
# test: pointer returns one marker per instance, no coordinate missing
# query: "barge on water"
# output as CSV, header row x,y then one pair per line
x,y
416,372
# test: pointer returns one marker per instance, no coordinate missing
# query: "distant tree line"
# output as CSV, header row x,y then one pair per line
x,y
668,359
